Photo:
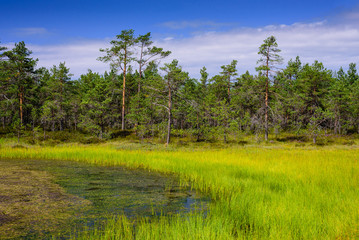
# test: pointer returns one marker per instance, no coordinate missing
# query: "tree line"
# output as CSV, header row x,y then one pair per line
x,y
153,100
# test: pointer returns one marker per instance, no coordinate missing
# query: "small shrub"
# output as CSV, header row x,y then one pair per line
x,y
51,142
92,140
242,142
31,141
349,143
120,133
19,146
62,136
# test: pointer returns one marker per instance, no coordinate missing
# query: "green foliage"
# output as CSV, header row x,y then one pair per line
x,y
120,54
269,55
155,100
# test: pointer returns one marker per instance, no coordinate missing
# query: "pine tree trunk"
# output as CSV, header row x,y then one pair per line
x,y
339,126
140,71
229,89
21,95
266,116
266,101
169,115
123,93
315,139
53,126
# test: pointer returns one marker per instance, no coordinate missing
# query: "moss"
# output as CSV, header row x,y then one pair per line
x,y
32,204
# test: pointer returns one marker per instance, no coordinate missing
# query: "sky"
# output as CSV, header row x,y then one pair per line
x,y
198,33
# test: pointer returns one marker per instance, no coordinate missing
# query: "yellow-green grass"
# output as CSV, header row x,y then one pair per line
x,y
258,192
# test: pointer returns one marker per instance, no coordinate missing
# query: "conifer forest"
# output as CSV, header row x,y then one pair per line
x,y
142,95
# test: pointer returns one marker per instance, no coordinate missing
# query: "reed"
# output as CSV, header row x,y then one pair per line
x,y
261,192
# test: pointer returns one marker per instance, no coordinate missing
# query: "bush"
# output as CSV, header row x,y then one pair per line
x,y
92,140
19,146
120,133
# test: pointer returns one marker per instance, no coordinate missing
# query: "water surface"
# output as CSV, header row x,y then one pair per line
x,y
74,196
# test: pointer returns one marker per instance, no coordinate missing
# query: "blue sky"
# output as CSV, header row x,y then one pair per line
x,y
199,33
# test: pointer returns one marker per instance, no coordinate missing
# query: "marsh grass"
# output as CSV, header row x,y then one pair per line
x,y
267,191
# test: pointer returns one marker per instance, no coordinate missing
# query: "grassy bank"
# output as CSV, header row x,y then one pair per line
x,y
260,192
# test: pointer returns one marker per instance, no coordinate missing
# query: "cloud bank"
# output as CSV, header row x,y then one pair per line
x,y
335,45
79,56
194,24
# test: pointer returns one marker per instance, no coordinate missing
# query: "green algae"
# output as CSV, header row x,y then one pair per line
x,y
43,198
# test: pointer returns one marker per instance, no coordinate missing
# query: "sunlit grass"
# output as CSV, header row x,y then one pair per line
x,y
261,192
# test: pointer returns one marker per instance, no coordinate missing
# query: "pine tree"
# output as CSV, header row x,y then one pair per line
x,y
172,81
21,77
120,55
269,58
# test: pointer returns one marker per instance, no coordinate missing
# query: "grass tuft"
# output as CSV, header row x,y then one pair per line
x,y
271,191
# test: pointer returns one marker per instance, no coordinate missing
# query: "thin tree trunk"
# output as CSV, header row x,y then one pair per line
x,y
21,95
139,87
339,126
229,89
169,115
140,71
197,127
124,92
75,124
21,98
315,139
266,101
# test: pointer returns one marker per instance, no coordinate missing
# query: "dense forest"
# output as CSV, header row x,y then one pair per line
x,y
153,100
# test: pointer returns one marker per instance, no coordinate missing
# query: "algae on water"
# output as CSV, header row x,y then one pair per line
x,y
44,198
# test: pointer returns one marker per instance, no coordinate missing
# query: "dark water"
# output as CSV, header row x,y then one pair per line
x,y
110,191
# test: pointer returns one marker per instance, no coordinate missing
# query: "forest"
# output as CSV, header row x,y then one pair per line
x,y
140,95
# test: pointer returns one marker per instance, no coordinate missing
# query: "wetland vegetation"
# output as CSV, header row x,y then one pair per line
x,y
275,190
41,199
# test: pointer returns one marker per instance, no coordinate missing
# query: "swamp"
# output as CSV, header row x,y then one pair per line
x,y
125,189
41,199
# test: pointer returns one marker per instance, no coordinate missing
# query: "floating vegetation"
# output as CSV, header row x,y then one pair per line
x,y
44,198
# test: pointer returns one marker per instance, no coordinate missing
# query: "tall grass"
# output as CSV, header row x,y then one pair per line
x,y
258,192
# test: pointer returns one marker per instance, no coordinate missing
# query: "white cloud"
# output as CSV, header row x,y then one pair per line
x,y
193,24
79,56
30,31
335,45
168,38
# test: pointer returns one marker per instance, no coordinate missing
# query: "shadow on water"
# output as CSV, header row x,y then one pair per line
x,y
71,195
